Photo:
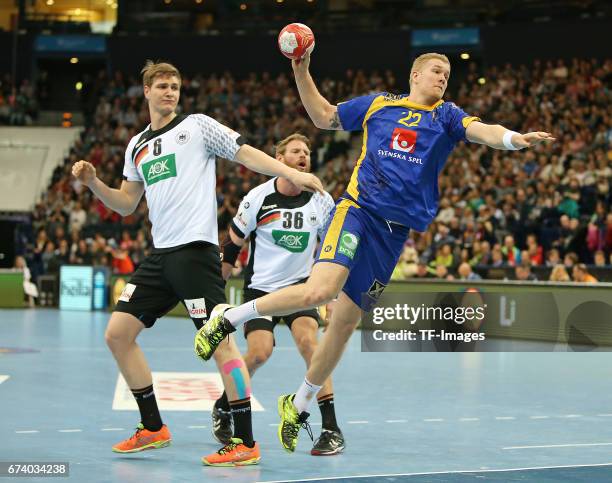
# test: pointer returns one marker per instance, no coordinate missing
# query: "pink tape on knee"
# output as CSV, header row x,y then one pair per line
x,y
228,367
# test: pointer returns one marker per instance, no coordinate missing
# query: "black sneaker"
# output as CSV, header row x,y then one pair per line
x,y
222,427
329,443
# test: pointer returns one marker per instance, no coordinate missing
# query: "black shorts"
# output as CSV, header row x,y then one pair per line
x,y
190,274
263,323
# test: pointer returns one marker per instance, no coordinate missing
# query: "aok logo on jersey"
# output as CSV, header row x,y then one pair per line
x,y
159,169
294,241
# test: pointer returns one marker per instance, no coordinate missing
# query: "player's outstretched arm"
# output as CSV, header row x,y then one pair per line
x,y
124,200
323,114
258,161
499,137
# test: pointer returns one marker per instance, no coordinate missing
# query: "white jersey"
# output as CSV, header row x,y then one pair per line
x,y
177,166
283,231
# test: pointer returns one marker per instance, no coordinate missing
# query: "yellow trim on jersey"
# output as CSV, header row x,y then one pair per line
x,y
352,189
466,121
334,230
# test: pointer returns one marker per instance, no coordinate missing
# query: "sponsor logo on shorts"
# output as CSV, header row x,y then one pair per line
x,y
348,244
159,169
376,289
127,292
294,241
182,137
196,308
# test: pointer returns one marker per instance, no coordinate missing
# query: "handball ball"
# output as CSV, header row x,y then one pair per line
x,y
295,40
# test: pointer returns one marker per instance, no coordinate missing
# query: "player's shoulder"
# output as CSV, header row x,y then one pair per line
x,y
260,192
138,136
323,201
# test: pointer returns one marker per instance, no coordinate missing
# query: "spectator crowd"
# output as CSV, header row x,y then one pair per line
x,y
543,207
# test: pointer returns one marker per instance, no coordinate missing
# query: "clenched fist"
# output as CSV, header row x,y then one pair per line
x,y
84,172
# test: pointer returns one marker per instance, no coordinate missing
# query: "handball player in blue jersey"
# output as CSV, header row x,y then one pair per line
x,y
393,189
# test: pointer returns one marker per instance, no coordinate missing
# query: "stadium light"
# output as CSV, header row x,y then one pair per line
x,y
50,2
482,81
198,1
78,86
74,60
243,6
465,56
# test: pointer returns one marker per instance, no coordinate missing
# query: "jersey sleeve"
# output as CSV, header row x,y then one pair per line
x,y
353,112
218,139
326,206
130,172
245,220
456,120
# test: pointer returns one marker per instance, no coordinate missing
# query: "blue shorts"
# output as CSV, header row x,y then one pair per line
x,y
367,245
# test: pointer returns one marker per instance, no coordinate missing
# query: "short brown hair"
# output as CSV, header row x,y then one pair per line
x,y
151,70
281,147
418,63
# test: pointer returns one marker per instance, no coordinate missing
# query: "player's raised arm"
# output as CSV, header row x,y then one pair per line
x,y
323,114
123,200
498,137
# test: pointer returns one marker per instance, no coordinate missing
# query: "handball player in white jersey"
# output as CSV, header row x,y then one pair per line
x,y
173,162
282,224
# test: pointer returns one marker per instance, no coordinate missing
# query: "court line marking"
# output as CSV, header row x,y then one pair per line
x,y
469,419
569,445
571,416
504,418
28,431
450,472
3,378
539,417
197,427
433,420
605,415
357,422
69,430
396,421
112,429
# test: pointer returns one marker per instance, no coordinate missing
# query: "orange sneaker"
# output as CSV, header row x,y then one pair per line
x,y
144,439
235,453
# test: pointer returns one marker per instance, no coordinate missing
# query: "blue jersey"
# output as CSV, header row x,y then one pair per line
x,y
405,146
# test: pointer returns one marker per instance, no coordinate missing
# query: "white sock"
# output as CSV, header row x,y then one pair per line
x,y
305,395
241,314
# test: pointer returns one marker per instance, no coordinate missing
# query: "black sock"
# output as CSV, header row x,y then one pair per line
x,y
328,414
241,413
147,404
222,403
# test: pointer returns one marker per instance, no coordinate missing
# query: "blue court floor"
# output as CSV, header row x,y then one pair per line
x,y
407,417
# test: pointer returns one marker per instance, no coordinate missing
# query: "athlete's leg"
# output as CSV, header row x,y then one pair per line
x,y
345,317
331,441
304,331
323,285
121,333
260,344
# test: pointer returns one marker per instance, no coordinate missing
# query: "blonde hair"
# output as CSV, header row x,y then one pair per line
x,y
559,274
420,61
151,70
281,147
